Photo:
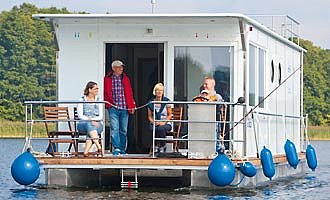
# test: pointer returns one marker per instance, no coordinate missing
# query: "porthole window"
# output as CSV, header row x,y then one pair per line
x,y
272,72
279,73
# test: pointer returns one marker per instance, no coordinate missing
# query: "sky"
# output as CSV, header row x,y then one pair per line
x,y
312,15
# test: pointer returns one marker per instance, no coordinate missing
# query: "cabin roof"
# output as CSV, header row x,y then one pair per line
x,y
178,18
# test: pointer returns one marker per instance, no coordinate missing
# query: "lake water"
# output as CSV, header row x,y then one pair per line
x,y
313,185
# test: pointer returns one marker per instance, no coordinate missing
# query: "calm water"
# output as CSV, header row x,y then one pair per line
x,y
313,185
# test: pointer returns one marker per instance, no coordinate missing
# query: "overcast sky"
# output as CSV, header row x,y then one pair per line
x,y
312,15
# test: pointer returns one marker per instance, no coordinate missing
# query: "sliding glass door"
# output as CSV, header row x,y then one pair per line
x,y
193,63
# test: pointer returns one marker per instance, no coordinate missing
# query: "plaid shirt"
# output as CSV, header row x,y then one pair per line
x,y
118,93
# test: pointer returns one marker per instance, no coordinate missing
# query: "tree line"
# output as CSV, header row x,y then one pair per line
x,y
28,72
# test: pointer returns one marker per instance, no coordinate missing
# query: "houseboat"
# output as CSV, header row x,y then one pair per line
x,y
247,58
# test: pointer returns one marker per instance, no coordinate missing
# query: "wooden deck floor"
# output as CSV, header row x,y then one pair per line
x,y
141,162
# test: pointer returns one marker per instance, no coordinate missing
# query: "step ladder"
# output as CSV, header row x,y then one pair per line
x,y
128,184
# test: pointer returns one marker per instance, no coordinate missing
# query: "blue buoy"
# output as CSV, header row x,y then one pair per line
x,y
25,169
267,163
311,157
221,171
248,169
291,153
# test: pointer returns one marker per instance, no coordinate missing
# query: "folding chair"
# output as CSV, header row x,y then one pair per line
x,y
57,116
175,133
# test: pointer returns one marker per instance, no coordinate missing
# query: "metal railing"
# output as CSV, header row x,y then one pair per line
x,y
283,25
187,139
301,128
29,119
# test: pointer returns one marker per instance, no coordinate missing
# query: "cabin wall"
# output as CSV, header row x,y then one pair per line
x,y
273,130
81,56
79,60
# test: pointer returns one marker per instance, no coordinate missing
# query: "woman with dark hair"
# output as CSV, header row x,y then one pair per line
x,y
92,115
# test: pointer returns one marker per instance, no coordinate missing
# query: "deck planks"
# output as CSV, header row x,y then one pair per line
x,y
147,161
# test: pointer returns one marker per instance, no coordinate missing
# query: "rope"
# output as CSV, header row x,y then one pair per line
x,y
128,109
235,185
236,156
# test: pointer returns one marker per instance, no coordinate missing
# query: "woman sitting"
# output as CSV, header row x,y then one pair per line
x,y
92,115
163,111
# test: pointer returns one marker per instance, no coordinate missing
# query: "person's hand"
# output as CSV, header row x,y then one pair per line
x,y
131,111
161,123
96,124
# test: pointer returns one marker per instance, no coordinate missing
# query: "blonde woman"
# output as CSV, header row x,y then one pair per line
x,y
163,111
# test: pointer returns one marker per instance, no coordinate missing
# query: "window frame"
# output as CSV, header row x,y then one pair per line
x,y
256,75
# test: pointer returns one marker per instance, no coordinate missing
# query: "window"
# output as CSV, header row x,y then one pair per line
x,y
256,75
261,77
272,72
252,73
192,64
279,73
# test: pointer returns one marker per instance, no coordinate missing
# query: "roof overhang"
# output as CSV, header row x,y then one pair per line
x,y
186,18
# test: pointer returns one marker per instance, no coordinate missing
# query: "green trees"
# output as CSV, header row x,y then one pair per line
x,y
316,83
27,60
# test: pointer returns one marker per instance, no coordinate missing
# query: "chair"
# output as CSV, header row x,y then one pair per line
x,y
222,125
176,129
57,115
78,134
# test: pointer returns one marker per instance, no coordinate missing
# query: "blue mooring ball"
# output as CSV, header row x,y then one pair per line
x,y
221,171
248,169
291,153
25,169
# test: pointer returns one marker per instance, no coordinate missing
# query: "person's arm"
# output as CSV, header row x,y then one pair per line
x,y
219,97
107,91
80,110
129,92
150,117
169,112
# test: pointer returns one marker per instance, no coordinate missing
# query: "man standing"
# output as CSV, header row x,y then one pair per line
x,y
118,92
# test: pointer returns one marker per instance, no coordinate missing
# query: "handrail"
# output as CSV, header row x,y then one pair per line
x,y
219,103
64,101
30,121
281,24
277,115
202,103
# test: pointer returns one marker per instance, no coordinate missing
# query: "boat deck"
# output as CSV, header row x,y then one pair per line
x,y
142,161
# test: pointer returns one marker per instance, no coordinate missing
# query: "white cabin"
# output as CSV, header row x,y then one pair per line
x,y
246,58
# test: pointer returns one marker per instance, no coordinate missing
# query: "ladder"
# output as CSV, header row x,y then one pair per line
x,y
128,184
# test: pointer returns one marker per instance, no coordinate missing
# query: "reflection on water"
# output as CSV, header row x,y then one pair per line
x,y
314,185
24,193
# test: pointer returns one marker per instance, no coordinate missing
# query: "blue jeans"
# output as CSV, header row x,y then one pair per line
x,y
160,132
87,127
118,127
218,145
